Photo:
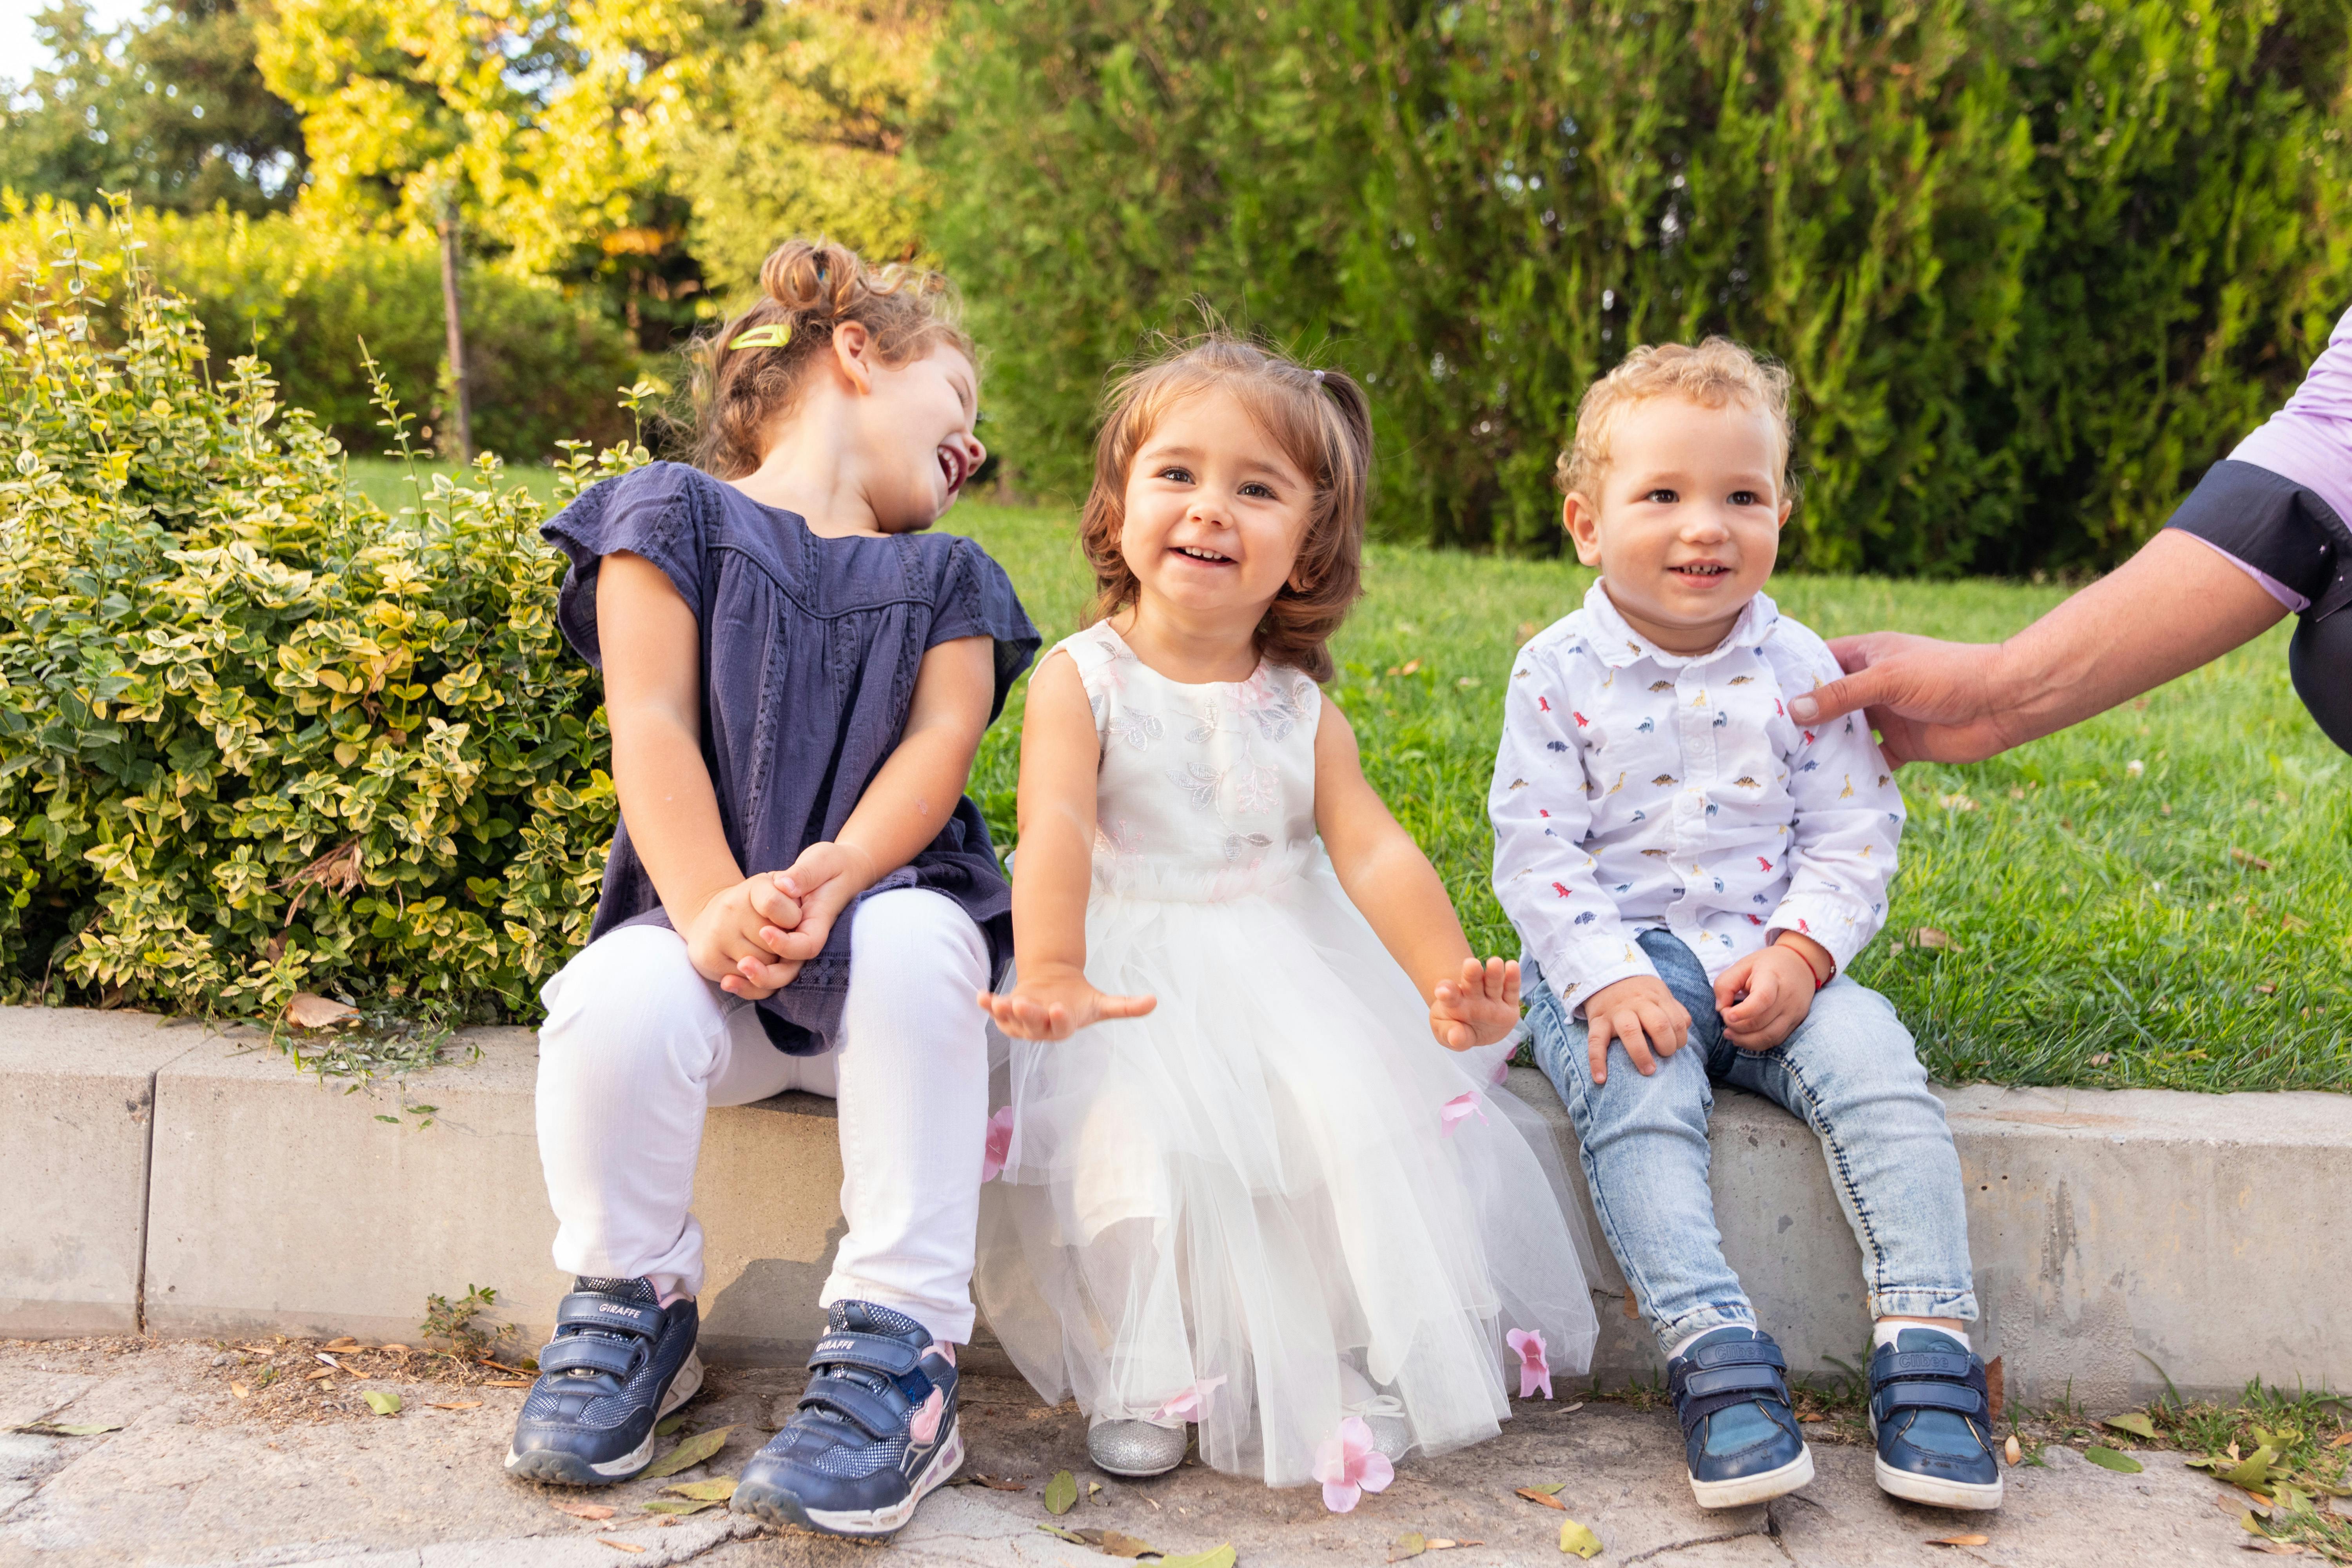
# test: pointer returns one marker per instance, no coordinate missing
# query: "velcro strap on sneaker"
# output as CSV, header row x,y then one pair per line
x,y
1732,1379
587,1352
1957,1397
873,1415
876,1353
1736,1353
1957,1365
585,1308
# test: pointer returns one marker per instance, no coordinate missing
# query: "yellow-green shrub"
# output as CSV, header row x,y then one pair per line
x,y
255,735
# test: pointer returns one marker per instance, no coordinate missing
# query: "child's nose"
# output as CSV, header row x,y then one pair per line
x,y
974,453
1705,525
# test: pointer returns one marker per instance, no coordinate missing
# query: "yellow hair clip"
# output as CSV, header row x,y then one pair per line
x,y
775,336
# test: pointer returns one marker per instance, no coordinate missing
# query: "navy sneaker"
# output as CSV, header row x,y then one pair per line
x,y
1739,1434
1933,1420
618,1363
874,1431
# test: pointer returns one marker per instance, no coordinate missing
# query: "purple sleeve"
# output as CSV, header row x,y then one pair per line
x,y
650,512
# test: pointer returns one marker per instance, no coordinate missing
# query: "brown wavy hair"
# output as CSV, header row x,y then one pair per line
x,y
810,287
1322,422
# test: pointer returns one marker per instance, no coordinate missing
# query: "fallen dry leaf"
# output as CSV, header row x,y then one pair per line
x,y
396,1350
1960,1540
510,1382
1994,1387
618,1545
2341,1440
1956,803
2013,1450
1928,936
456,1404
717,1490
346,1343
2248,857
1412,1543
315,1376
240,1390
691,1452
1545,1499
309,1010
584,1510
1578,1539
995,1483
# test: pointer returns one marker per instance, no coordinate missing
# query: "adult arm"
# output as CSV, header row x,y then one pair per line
x,y
1386,877
2175,605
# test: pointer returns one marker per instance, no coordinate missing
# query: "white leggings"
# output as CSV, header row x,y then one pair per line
x,y
637,1046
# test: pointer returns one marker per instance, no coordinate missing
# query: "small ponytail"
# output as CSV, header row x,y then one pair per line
x,y
750,373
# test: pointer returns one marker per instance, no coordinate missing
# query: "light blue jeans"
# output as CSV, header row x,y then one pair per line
x,y
1849,1072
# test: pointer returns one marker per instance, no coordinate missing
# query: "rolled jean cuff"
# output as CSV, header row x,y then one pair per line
x,y
1700,1321
1934,1302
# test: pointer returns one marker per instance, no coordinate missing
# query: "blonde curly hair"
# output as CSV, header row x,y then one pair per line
x,y
1717,372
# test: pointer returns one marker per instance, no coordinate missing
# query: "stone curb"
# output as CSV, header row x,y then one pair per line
x,y
169,1178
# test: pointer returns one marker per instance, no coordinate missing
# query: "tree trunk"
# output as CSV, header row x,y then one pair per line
x,y
464,411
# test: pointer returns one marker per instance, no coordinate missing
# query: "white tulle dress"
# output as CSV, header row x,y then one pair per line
x,y
1275,1201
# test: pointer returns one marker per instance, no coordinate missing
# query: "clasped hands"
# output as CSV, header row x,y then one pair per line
x,y
751,938
1762,997
1055,1001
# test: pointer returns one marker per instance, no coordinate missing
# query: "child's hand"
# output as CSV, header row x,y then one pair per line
x,y
1056,1002
733,939
1477,1009
1641,1012
1779,981
826,878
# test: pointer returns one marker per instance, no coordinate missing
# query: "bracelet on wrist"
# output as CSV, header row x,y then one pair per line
x,y
1820,980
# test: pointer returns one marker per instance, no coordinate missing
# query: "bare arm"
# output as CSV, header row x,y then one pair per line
x,y
1054,872
653,701
2175,605
1386,877
911,799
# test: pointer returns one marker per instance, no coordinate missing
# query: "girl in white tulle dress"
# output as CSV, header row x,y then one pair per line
x,y
1241,1184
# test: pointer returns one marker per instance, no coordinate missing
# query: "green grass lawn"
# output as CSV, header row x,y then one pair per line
x,y
2107,926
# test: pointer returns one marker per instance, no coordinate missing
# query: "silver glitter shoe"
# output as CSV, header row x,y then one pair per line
x,y
1136,1448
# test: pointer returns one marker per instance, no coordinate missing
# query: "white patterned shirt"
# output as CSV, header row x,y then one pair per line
x,y
1637,789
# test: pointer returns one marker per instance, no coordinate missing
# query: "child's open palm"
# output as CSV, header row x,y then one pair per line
x,y
1479,1008
1056,1002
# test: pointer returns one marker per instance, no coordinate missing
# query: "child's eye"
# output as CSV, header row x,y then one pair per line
x,y
1259,491
1746,498
1662,497
1175,473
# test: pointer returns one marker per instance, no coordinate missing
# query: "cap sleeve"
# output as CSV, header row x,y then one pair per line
x,y
653,512
976,599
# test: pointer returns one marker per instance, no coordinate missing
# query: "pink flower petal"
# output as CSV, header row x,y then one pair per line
x,y
1375,1474
1535,1367
1188,1404
1502,1071
1000,1145
1458,1109
1341,1499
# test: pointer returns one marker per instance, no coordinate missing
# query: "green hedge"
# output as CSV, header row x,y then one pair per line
x,y
257,735
2034,263
301,298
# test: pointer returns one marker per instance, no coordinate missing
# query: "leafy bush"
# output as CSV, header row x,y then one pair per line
x,y
2034,264
302,298
255,735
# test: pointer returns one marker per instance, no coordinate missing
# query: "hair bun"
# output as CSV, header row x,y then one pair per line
x,y
815,279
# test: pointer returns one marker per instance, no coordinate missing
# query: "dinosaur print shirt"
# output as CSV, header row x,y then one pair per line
x,y
1637,789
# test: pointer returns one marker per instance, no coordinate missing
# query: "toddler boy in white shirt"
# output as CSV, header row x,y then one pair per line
x,y
1691,871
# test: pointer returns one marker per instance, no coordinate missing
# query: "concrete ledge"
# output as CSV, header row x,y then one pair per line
x,y
2114,1231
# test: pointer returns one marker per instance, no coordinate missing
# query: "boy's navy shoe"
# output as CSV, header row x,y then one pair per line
x,y
618,1363
1739,1434
1933,1420
874,1431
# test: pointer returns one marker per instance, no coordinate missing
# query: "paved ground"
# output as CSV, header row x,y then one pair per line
x,y
298,1471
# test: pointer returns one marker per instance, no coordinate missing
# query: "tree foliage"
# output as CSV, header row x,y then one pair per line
x,y
2033,265
171,110
256,736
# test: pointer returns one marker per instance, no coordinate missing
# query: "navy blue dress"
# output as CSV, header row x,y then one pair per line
x,y
810,647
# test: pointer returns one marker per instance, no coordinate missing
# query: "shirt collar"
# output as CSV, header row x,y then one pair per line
x,y
1618,644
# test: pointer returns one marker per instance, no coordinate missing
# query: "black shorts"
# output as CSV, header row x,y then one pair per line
x,y
2287,532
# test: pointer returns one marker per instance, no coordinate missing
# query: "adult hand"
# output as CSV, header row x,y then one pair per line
x,y
1641,1013
1929,701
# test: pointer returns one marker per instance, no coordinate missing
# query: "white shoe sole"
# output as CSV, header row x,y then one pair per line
x,y
1743,1490
683,1387
891,1519
1935,1493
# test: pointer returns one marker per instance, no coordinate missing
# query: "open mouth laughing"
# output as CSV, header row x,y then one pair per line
x,y
954,468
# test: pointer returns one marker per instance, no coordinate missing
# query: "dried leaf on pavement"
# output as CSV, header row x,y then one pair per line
x,y
456,1405
1544,1497
618,1545
1576,1538
1960,1540
717,1490
68,1430
693,1451
1218,1556
2013,1450
993,1483
675,1505
311,1011
383,1402
1412,1543
1061,1493
2109,1459
2134,1422
585,1510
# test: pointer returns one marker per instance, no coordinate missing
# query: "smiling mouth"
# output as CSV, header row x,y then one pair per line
x,y
1194,552
1702,570
952,469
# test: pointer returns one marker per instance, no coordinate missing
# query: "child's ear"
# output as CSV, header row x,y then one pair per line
x,y
853,355
1582,520
1787,505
